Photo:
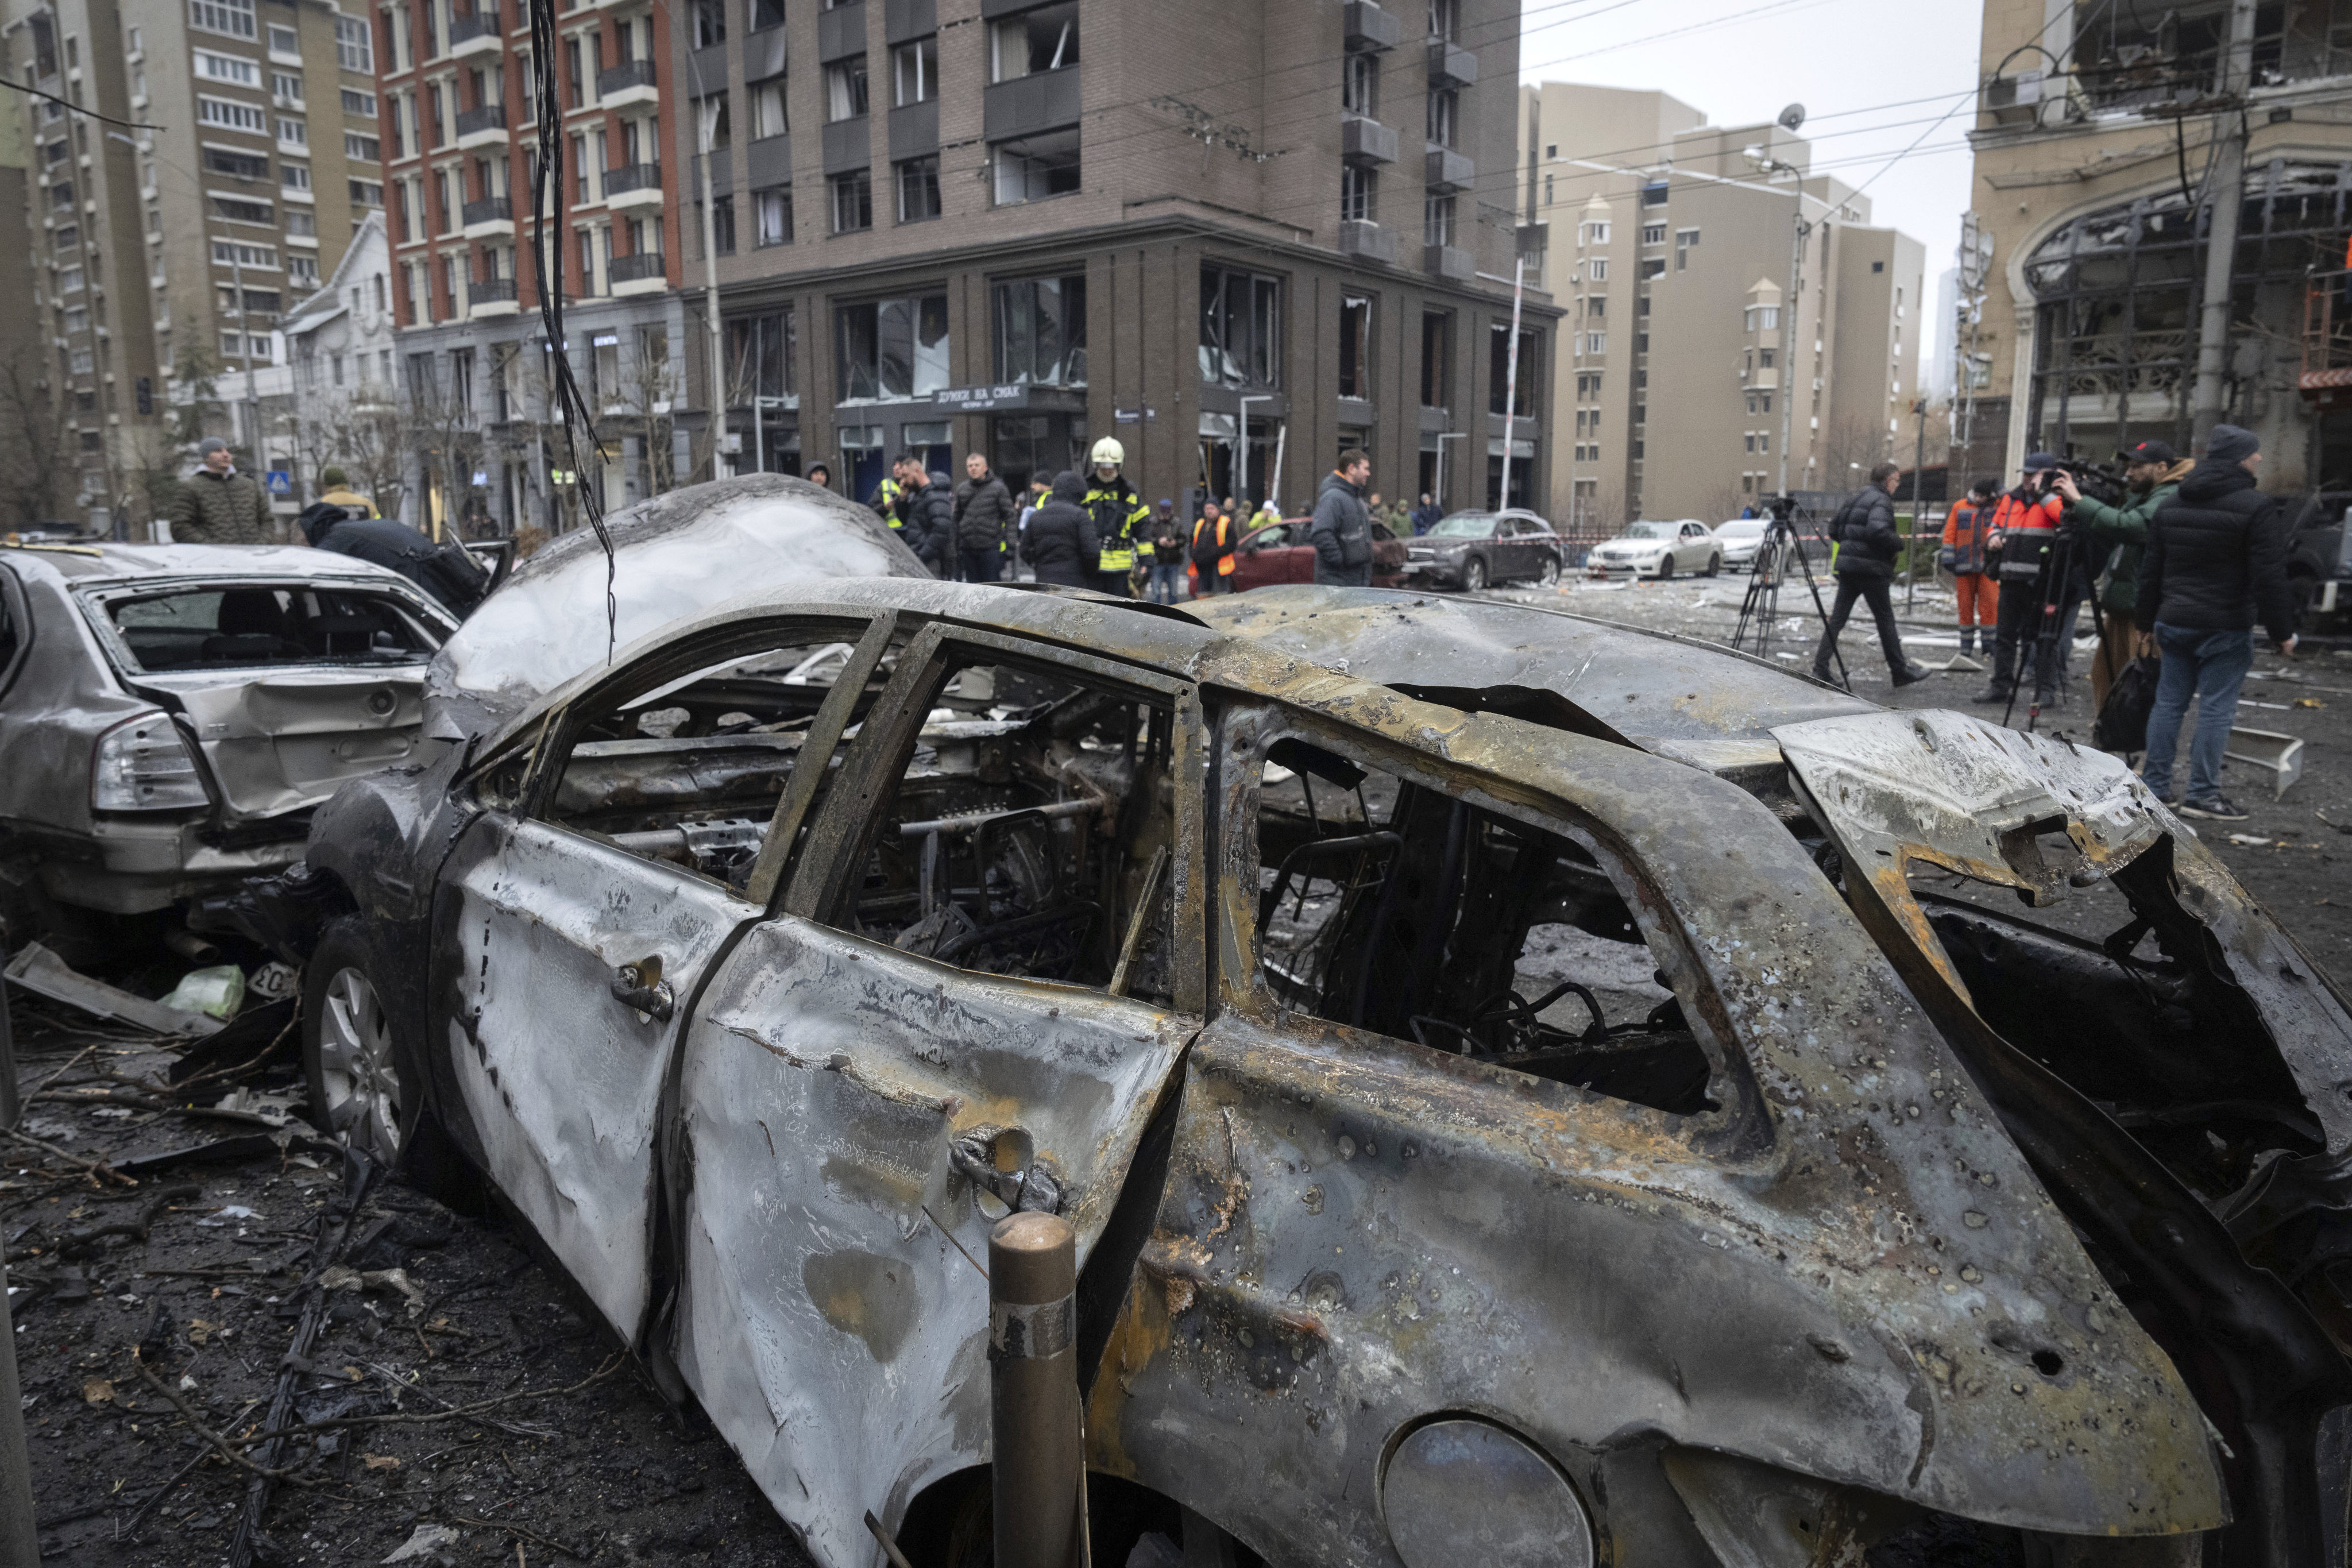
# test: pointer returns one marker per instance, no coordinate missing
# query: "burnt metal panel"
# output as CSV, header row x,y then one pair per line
x,y
1046,101
841,32
848,145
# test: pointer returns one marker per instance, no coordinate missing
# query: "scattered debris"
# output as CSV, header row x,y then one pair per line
x,y
36,969
423,1544
217,992
2248,838
2277,757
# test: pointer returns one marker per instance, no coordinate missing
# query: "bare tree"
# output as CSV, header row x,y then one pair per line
x,y
33,462
1851,447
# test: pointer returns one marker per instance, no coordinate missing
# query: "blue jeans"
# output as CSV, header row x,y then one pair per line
x,y
1167,580
2209,665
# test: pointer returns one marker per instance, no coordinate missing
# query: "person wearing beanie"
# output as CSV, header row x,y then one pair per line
x,y
2216,563
335,489
217,505
2152,475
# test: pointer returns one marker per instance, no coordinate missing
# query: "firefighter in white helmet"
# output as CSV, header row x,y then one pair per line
x,y
1122,522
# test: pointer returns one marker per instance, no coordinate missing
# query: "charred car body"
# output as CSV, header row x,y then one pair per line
x,y
765,967
170,715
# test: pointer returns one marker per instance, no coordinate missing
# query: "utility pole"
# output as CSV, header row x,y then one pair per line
x,y
704,126
1511,384
2227,193
1919,501
1787,376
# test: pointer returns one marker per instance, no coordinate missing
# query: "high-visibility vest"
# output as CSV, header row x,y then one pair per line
x,y
1226,560
886,499
1119,513
2027,528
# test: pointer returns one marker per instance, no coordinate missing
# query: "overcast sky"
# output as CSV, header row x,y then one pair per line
x,y
1854,64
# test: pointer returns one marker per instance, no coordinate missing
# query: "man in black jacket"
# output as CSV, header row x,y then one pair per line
x,y
1060,543
930,511
445,571
1866,540
1341,531
983,514
2216,560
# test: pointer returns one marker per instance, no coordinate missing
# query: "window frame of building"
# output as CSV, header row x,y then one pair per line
x,y
1037,330
1499,381
1444,120
915,71
1436,357
771,113
1685,241
354,46
358,104
850,198
707,24
1015,42
1256,363
232,70
764,14
772,216
1438,216
229,114
1359,84
920,321
1445,20
229,18
1036,168
1356,340
293,131
848,92
722,224
1359,194
918,187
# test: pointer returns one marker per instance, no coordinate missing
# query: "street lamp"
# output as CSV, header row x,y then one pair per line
x,y
237,281
1771,168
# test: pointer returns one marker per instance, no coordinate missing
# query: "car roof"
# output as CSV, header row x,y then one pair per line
x,y
105,562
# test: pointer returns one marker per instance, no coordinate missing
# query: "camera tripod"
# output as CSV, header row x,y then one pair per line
x,y
2057,574
1761,606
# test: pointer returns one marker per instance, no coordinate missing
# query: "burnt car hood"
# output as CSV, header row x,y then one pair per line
x,y
675,557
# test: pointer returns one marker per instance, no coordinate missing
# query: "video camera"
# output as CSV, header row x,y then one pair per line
x,y
2100,482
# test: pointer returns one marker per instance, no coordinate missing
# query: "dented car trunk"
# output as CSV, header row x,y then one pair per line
x,y
1507,1074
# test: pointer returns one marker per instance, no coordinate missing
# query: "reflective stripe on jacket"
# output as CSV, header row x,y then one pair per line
x,y
1119,517
1225,560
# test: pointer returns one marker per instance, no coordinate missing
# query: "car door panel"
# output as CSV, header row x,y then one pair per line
x,y
560,1081
833,1322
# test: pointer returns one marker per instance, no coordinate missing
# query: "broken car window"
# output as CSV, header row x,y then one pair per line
x,y
1032,834
1389,906
219,629
690,768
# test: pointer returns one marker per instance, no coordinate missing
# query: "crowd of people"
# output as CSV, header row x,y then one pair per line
x,y
2184,567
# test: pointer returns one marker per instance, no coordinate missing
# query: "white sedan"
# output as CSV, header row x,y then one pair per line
x,y
1739,539
1658,550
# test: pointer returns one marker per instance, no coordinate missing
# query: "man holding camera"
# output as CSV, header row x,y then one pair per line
x,y
2025,532
2151,478
2216,561
1867,542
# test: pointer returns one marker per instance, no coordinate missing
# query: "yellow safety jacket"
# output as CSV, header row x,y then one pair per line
x,y
1121,523
885,502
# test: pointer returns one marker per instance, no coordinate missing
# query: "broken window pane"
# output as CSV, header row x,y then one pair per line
x,y
216,628
1032,833
1389,906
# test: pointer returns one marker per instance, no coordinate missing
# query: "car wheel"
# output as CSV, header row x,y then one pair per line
x,y
1714,565
1549,575
1665,566
1473,575
360,1089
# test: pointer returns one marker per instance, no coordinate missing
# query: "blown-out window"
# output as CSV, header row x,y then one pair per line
x,y
891,349
1241,328
1038,330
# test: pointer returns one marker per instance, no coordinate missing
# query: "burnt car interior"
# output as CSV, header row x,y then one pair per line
x,y
1389,906
690,771
219,629
1031,833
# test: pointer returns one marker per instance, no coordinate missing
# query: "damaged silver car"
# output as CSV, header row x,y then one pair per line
x,y
1526,1090
169,715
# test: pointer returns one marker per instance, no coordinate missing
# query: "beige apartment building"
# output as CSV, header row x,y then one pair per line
x,y
2101,137
1668,249
166,256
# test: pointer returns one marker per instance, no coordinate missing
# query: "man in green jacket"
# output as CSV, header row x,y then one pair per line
x,y
217,505
2150,477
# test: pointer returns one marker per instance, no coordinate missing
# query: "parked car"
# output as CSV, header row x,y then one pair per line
x,y
1737,542
1279,553
1477,549
1658,550
170,714
764,966
2319,556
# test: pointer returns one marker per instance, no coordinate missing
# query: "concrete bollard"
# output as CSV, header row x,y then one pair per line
x,y
1040,1464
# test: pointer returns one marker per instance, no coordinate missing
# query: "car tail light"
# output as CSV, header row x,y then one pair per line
x,y
144,764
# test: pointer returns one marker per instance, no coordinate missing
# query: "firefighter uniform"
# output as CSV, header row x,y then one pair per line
x,y
1123,524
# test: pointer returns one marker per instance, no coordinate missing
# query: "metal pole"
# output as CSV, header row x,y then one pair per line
x,y
19,1542
710,285
1919,504
1039,1469
1511,375
1788,333
2227,187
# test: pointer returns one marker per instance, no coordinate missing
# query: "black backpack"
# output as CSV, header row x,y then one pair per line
x,y
2122,722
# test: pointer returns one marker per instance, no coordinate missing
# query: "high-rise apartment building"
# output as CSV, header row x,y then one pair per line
x,y
1684,366
1237,238
2110,144
167,255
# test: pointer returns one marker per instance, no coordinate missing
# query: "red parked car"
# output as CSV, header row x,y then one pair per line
x,y
1279,553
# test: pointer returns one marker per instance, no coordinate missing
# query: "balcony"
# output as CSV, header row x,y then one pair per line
x,y
1042,100
631,81
479,34
1448,170
1367,241
1367,27
1363,141
634,185
1447,261
488,219
483,127
1451,65
491,297
643,273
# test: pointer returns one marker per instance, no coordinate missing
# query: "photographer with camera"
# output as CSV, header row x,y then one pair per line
x,y
2216,560
2151,476
2025,527
1864,532
1966,554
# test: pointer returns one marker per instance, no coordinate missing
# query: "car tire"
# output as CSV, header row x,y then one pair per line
x,y
363,1087
1665,566
1714,565
1473,576
1549,575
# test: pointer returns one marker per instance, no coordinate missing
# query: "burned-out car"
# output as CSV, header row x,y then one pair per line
x,y
169,715
1526,1090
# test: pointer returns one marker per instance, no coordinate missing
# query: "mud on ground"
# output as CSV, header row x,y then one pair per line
x,y
584,1461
